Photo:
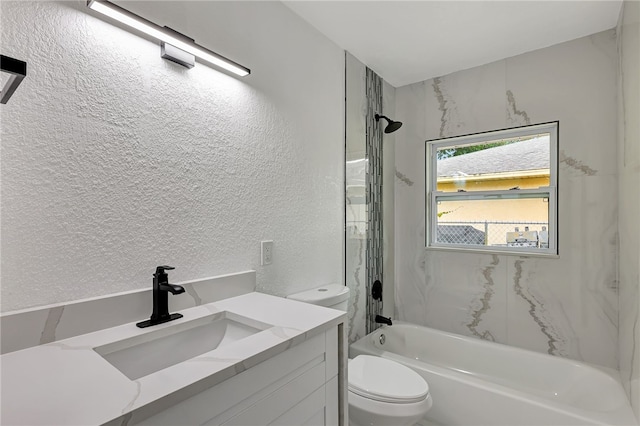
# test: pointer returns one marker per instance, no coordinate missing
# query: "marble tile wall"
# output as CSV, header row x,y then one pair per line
x,y
566,306
628,32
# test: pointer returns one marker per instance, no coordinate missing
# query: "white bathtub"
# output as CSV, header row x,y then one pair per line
x,y
474,382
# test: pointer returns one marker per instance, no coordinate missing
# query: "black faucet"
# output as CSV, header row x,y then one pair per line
x,y
383,320
161,290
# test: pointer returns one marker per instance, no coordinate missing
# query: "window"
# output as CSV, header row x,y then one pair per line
x,y
494,191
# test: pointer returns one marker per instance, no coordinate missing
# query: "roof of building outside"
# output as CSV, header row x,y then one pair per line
x,y
530,154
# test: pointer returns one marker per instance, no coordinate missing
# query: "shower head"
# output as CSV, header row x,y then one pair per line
x,y
392,126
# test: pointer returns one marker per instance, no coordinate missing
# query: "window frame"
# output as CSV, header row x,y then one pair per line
x,y
551,191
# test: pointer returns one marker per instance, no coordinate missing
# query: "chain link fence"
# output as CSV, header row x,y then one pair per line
x,y
530,234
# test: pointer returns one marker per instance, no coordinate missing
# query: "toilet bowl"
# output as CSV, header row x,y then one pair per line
x,y
381,391
384,392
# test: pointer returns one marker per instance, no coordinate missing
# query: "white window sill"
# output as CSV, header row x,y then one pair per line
x,y
490,250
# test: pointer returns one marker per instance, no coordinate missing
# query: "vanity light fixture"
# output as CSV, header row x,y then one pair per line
x,y
168,37
17,71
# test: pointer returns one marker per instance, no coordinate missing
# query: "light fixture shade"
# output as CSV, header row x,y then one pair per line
x,y
166,35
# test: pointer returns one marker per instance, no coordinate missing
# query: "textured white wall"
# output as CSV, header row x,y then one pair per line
x,y
115,160
628,32
566,306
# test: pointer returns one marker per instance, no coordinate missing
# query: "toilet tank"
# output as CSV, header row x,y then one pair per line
x,y
334,296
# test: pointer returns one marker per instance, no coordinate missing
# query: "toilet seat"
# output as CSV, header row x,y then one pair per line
x,y
384,380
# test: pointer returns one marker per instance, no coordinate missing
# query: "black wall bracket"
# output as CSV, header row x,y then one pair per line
x,y
17,70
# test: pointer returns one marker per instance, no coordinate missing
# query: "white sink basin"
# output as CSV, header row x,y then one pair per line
x,y
151,352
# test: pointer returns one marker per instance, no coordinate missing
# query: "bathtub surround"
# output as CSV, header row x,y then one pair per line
x,y
115,160
566,306
628,33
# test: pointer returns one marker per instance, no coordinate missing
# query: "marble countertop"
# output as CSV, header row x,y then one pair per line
x,y
68,383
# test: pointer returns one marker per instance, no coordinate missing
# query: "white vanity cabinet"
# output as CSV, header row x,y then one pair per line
x,y
300,386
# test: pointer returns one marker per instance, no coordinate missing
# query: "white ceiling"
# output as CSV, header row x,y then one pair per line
x,y
409,41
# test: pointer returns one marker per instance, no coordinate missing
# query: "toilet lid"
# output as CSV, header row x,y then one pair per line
x,y
385,380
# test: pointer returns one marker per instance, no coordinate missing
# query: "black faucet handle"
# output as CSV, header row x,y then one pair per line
x,y
160,269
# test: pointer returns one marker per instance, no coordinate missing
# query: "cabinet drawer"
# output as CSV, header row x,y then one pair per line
x,y
310,411
286,398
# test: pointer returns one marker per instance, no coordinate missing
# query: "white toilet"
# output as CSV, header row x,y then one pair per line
x,y
381,391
